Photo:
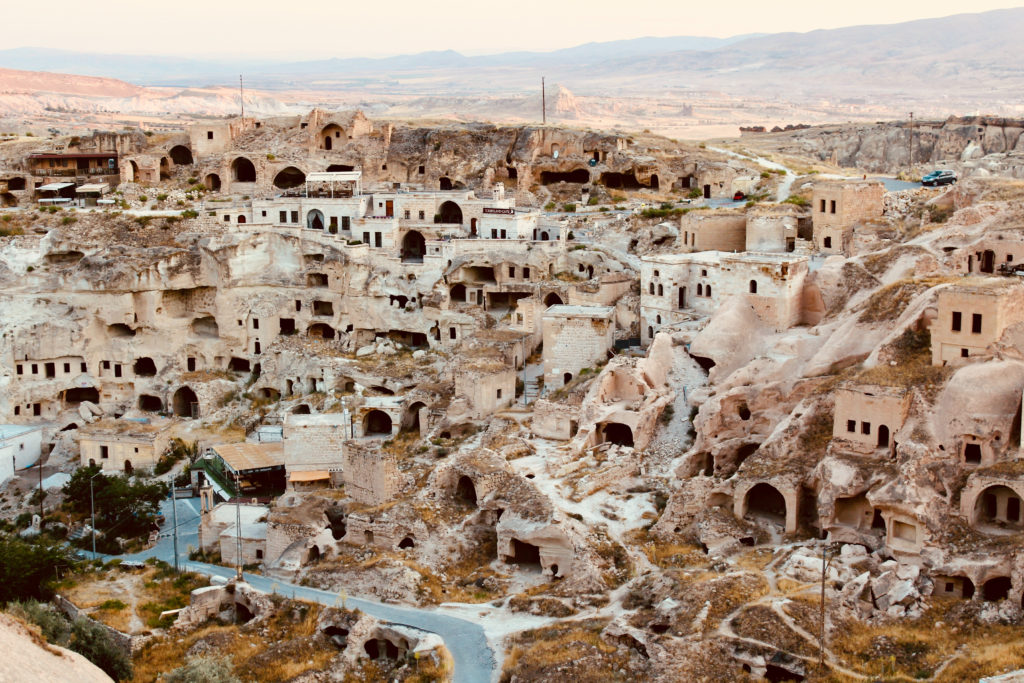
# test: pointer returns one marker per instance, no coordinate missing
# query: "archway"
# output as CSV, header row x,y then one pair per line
x,y
445,184
212,182
997,588
331,135
765,501
465,491
165,168
301,409
133,171
315,220
411,420
181,155
414,246
566,378
526,555
450,212
239,365
72,397
377,423
458,293
243,171
205,327
655,183
553,299
406,542
578,176
883,436
998,506
617,433
150,404
288,178
185,403
320,331
8,199
16,184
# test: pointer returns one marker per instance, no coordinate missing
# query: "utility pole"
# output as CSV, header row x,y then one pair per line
x,y
825,562
92,511
238,538
241,95
41,494
543,102
910,142
174,521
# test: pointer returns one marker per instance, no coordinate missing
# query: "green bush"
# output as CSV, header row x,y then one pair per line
x,y
94,643
143,198
189,213
593,201
695,193
202,669
796,200
550,206
162,196
569,208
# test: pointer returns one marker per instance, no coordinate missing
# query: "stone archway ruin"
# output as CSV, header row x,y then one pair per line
x,y
764,501
289,178
377,423
243,171
185,403
181,155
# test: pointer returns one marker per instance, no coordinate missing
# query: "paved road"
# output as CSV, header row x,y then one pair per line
x,y
467,641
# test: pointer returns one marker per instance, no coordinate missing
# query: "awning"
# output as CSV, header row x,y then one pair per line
x,y
94,187
54,200
251,457
312,475
54,187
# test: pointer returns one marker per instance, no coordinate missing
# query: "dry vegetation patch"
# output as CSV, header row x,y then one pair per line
x,y
569,651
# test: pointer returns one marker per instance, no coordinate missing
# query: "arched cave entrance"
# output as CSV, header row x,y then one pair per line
x,y
414,246
185,403
181,155
243,171
288,178
377,423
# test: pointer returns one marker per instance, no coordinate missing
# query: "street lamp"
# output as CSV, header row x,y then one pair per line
x,y
92,510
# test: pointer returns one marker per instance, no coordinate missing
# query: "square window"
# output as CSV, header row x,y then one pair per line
x,y
851,426
84,368
1009,258
499,393
67,368
227,219
957,321
865,427
423,215
35,369
963,353
263,214
20,370
209,135
976,323
408,214
283,216
295,216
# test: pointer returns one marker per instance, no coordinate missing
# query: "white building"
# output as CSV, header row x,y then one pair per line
x,y
20,447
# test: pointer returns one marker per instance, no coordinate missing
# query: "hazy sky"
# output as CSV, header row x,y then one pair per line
x,y
345,28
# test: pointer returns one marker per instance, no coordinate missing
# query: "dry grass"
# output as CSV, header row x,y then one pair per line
x,y
913,367
889,302
569,651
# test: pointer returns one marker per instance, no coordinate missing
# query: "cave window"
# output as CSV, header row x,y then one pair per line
x,y
851,426
865,427
976,323
21,370
452,333
67,368
957,321
832,206
972,453
828,242
498,394
209,135
255,323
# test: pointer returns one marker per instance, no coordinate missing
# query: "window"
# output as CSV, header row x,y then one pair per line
x,y
105,365
366,238
191,364
832,206
703,272
451,333
295,216
700,289
526,273
661,290
117,370
499,393
263,214
37,409
1009,258
346,223
707,291
20,369
823,206
511,271
35,368
828,242
976,323
334,224
67,368
504,234
865,427
851,426
259,554
957,319
256,346
377,240
227,218
17,411
423,215
408,214
298,305
657,273
209,135
104,452
753,286
283,215
255,323
84,368
422,170
652,288
963,353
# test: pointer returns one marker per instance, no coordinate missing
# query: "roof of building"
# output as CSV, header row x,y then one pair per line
x,y
242,457
311,475
146,428
93,187
986,285
53,187
11,431
334,177
565,311
76,155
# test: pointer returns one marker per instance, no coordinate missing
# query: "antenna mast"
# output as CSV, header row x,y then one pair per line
x,y
241,95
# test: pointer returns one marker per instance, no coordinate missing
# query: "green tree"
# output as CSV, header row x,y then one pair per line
x,y
125,506
27,568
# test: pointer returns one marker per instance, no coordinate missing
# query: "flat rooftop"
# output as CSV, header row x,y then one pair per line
x,y
11,431
988,285
128,427
242,457
716,257
564,311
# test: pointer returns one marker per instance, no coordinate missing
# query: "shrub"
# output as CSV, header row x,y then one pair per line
x,y
797,200
143,198
161,197
271,157
695,193
593,201
202,669
189,213
93,642
569,208
68,220
550,206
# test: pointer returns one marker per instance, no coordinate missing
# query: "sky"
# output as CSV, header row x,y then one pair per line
x,y
344,28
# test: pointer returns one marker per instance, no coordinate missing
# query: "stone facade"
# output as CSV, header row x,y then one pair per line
x,y
314,442
838,206
371,475
713,231
575,337
972,316
123,445
867,418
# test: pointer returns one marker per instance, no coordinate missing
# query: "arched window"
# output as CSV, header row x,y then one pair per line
x,y
661,290
753,286
652,288
700,289
707,291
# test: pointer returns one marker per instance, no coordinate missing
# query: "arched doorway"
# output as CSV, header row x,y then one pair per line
x,y
315,220
320,331
883,436
553,299
377,423
414,246
185,403
212,182
150,404
465,491
181,155
128,469
765,501
450,213
997,588
411,421
998,506
617,433
144,367
288,178
8,199
988,258
406,543
133,171
331,136
472,227
243,171
655,183
566,378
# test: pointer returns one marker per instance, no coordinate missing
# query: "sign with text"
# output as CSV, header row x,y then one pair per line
x,y
504,212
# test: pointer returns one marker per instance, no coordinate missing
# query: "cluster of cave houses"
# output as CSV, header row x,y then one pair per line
x,y
249,157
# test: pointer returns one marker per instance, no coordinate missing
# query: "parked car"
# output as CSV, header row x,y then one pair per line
x,y
739,196
936,178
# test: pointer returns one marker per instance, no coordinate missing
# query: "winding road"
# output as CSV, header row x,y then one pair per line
x,y
466,641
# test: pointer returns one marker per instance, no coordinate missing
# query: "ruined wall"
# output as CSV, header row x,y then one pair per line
x,y
314,442
371,476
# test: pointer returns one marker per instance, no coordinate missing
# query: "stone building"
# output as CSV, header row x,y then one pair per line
x,y
313,444
20,447
867,418
836,207
371,475
973,315
724,230
219,530
124,444
775,229
675,288
575,337
482,387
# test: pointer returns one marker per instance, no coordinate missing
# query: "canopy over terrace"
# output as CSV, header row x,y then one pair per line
x,y
57,191
251,469
334,184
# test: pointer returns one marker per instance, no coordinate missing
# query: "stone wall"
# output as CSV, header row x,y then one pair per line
x,y
371,476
